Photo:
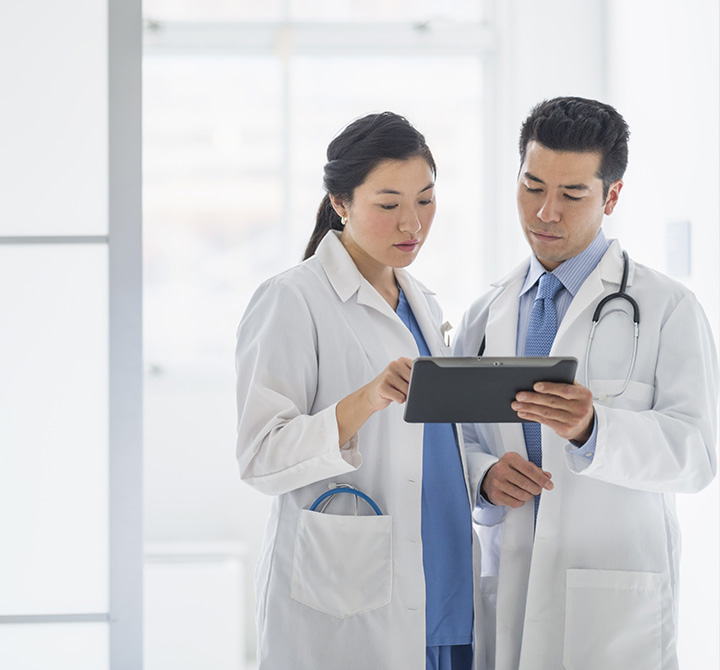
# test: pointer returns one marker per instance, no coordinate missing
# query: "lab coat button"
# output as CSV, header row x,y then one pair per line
x,y
589,454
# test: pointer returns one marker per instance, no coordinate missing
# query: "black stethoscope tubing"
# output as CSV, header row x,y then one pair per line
x,y
636,327
620,294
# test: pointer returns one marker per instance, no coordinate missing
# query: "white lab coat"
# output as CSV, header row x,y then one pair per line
x,y
598,588
333,590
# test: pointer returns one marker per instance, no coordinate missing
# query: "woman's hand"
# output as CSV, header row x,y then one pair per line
x,y
391,385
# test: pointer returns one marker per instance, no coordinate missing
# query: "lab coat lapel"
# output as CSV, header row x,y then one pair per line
x,y
608,271
415,293
501,340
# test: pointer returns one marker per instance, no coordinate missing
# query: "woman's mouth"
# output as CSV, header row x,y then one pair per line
x,y
408,246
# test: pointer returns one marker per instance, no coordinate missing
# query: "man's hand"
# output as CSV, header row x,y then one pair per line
x,y
512,481
566,408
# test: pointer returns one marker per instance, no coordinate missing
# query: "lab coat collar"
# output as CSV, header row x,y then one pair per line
x,y
347,281
608,271
339,267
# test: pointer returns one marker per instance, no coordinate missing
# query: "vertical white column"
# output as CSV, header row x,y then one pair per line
x,y
125,293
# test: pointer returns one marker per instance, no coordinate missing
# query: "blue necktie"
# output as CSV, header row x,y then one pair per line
x,y
540,336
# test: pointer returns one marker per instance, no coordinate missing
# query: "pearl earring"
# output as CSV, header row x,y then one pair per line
x,y
343,220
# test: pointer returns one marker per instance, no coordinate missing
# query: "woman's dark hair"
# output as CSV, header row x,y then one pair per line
x,y
354,153
580,124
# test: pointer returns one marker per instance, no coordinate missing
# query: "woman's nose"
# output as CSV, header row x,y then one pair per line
x,y
410,223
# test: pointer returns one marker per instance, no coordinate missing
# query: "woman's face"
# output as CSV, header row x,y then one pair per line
x,y
390,215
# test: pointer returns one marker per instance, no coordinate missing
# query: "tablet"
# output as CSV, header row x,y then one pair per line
x,y
477,390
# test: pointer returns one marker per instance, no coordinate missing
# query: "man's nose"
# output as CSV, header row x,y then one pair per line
x,y
549,211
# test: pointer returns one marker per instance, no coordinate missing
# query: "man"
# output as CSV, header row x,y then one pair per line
x,y
577,510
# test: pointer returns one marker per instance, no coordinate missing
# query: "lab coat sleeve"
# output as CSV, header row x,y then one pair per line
x,y
280,445
670,447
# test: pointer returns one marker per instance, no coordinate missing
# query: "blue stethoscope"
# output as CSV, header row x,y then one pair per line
x,y
326,497
598,315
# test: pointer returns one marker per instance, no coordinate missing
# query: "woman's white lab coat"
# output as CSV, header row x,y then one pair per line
x,y
597,589
333,590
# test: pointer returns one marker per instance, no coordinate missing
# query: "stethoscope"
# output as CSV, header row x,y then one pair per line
x,y
636,324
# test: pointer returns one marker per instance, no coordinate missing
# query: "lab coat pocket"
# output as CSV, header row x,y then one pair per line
x,y
612,620
342,565
637,396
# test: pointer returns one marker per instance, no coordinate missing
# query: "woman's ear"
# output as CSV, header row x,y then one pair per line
x,y
338,205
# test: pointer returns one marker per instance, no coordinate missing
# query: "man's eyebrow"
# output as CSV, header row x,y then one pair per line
x,y
569,187
393,192
532,177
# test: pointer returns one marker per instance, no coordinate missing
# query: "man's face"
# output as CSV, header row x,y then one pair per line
x,y
560,202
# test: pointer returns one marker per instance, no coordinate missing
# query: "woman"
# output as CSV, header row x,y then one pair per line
x,y
323,360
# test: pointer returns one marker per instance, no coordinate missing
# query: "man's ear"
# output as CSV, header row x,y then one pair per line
x,y
612,196
338,205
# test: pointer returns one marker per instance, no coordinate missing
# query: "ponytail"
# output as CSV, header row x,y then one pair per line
x,y
326,219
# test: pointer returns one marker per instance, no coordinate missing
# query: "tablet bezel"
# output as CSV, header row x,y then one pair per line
x,y
478,389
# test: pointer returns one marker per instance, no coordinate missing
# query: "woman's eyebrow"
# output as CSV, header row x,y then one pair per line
x,y
391,191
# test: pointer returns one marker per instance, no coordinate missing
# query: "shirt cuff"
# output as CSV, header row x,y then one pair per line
x,y
580,456
485,513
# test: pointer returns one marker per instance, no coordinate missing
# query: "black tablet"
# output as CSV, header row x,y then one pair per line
x,y
477,390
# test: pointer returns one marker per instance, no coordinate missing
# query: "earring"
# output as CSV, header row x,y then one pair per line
x,y
343,221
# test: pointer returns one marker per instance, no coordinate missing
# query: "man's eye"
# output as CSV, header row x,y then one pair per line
x,y
533,190
571,197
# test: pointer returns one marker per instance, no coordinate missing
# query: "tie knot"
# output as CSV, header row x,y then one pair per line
x,y
549,285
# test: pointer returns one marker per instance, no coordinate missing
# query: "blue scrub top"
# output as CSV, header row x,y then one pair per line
x,y
446,525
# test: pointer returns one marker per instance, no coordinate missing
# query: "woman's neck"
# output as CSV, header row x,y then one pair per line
x,y
381,277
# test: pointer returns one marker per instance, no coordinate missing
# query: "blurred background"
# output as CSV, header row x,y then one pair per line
x,y
239,101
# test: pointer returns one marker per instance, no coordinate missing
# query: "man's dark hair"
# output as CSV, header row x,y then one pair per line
x,y
579,124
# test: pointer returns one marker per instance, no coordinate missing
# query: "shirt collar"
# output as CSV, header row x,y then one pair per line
x,y
572,272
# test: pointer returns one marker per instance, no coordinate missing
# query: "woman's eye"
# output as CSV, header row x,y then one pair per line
x,y
388,206
426,202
